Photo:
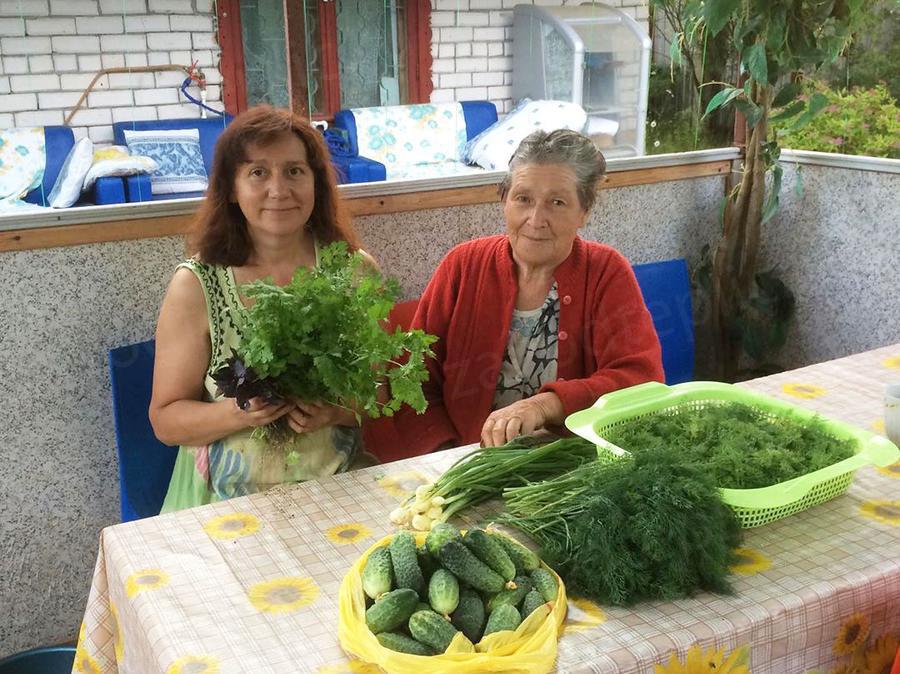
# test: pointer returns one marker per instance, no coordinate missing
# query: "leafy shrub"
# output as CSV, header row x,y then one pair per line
x,y
858,121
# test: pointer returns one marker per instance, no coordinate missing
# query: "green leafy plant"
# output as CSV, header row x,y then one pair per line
x,y
626,530
774,41
741,447
859,121
321,338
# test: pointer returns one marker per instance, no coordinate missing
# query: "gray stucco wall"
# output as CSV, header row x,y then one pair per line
x,y
836,244
68,306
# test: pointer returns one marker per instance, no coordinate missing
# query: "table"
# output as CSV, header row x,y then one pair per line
x,y
251,585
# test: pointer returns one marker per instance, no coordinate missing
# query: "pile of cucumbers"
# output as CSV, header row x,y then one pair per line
x,y
478,584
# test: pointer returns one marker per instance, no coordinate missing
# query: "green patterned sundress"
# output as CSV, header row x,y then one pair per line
x,y
238,465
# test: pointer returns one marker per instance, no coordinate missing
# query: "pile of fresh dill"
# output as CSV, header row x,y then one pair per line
x,y
739,445
626,530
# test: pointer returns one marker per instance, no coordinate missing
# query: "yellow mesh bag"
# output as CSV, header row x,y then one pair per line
x,y
531,649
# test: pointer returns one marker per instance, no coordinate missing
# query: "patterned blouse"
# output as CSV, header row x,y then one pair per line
x,y
531,352
240,464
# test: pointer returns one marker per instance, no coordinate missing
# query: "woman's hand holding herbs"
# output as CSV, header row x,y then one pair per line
x,y
306,417
258,412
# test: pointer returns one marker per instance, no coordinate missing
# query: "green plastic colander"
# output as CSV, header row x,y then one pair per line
x,y
752,506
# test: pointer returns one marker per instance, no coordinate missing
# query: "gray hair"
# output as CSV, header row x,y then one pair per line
x,y
562,146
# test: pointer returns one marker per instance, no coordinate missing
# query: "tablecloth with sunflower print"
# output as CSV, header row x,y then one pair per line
x,y
251,585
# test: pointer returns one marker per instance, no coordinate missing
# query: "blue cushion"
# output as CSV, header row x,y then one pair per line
x,y
58,142
109,190
358,169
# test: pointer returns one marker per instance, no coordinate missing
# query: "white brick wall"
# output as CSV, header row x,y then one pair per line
x,y
50,50
472,46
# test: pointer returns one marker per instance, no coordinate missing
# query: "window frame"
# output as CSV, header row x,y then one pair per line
x,y
417,21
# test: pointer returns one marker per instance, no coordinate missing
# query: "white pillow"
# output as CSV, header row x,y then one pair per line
x,y
492,148
177,153
115,160
68,184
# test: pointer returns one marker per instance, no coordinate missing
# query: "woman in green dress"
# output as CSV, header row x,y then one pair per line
x,y
272,201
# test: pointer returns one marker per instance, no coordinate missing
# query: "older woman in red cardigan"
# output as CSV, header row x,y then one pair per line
x,y
536,323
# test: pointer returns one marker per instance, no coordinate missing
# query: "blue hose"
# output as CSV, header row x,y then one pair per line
x,y
185,85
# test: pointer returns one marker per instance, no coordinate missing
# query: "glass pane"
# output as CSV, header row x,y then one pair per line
x,y
368,35
262,32
558,65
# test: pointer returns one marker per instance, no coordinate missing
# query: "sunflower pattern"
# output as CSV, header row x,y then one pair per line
x,y
887,512
583,615
351,667
750,562
228,527
344,534
144,581
84,663
402,485
880,657
699,661
892,363
194,664
118,636
892,470
800,390
852,634
283,595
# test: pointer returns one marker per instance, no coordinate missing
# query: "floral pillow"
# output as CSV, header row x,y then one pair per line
x,y
493,148
177,154
400,136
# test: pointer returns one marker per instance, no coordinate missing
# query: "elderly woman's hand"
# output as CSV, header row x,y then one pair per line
x,y
521,418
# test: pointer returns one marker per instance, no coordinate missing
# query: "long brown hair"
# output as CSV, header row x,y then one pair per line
x,y
219,234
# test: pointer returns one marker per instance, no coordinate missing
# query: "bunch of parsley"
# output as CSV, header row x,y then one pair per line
x,y
321,338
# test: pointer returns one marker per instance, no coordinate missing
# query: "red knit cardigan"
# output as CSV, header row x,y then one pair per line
x,y
606,336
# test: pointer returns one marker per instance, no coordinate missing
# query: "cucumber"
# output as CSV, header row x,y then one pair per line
x,y
533,600
427,563
512,597
503,618
440,534
459,560
545,583
443,592
469,616
432,630
523,558
377,575
403,644
422,606
489,551
405,562
392,610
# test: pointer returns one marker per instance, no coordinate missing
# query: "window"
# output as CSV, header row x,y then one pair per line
x,y
324,55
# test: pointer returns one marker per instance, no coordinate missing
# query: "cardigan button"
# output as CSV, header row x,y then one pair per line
x,y
563,335
567,299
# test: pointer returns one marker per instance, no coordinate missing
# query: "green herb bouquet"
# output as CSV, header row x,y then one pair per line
x,y
322,338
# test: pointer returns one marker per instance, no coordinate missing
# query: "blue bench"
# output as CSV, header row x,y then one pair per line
x,y
58,142
137,188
